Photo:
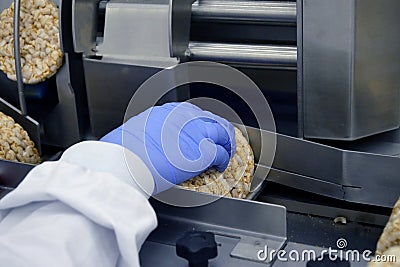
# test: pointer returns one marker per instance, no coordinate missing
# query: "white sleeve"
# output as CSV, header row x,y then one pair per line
x,y
78,211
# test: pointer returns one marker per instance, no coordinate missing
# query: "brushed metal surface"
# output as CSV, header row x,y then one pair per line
x,y
107,100
304,233
350,81
259,55
355,176
180,13
245,11
84,25
148,38
239,238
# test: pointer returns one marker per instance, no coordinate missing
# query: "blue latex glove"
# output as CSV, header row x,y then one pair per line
x,y
177,141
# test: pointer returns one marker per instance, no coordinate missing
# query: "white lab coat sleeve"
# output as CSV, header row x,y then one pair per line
x,y
83,210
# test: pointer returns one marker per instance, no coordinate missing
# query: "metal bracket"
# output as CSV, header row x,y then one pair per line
x,y
251,226
146,33
180,18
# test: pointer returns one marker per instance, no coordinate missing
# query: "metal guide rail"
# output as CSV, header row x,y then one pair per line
x,y
245,11
264,55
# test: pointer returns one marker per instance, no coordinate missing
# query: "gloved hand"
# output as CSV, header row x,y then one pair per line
x,y
177,141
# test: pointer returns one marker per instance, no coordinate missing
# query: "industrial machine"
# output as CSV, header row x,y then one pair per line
x,y
329,70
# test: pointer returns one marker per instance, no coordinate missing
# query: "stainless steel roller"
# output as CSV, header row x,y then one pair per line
x,y
262,55
250,11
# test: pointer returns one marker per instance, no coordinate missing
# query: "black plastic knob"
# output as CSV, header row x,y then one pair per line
x,y
197,247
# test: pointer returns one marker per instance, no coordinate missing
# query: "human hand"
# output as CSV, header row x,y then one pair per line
x,y
177,141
